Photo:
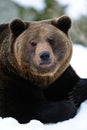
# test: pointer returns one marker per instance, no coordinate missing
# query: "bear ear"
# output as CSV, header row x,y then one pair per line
x,y
17,26
63,23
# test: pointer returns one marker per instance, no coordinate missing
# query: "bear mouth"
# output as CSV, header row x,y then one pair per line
x,y
44,67
44,64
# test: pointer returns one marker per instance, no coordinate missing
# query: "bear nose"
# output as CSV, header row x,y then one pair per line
x,y
44,56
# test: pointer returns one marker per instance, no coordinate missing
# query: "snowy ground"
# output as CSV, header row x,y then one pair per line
x,y
79,122
79,60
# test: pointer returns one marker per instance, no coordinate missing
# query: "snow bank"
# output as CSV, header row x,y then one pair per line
x,y
79,60
79,122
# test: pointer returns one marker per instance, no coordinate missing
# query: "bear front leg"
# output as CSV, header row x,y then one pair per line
x,y
52,112
80,92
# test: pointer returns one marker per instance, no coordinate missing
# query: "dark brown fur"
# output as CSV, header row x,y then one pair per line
x,y
33,88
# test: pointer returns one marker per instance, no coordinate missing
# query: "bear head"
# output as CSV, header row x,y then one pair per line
x,y
40,51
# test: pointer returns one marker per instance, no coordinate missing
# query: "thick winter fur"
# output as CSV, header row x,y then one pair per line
x,y
36,80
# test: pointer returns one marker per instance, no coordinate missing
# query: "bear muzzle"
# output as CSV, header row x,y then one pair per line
x,y
45,57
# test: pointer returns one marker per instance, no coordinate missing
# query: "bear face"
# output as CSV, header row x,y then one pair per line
x,y
41,50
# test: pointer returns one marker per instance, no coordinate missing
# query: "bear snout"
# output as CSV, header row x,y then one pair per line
x,y
45,57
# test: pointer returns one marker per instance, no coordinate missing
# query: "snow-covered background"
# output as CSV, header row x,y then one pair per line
x,y
75,9
79,60
79,122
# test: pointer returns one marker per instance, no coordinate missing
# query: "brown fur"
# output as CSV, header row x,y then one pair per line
x,y
36,80
22,57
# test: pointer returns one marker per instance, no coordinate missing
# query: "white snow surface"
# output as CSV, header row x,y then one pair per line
x,y
79,122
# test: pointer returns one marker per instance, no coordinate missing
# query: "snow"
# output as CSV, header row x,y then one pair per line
x,y
79,122
79,61
38,4
75,8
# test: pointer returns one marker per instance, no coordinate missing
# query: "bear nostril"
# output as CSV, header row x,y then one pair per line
x,y
45,55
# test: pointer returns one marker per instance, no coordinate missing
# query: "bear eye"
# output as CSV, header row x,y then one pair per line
x,y
33,43
51,41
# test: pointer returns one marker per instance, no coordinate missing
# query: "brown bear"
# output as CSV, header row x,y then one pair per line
x,y
36,79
